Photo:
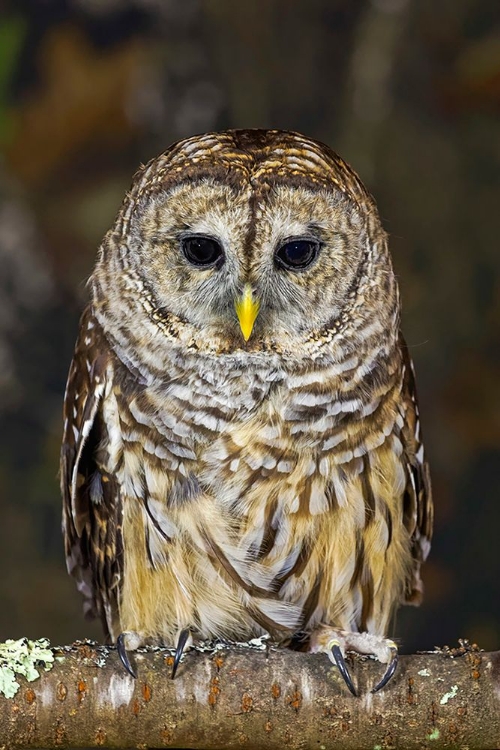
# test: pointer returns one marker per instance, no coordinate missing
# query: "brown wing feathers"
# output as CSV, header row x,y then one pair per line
x,y
418,507
91,513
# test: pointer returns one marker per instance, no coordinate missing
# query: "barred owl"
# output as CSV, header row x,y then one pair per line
x,y
242,451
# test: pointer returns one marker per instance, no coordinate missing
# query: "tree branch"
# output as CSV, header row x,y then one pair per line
x,y
239,697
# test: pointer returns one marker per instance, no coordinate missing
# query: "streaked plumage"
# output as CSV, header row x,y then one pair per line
x,y
233,488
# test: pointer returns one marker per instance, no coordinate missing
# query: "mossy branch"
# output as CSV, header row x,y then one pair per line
x,y
247,698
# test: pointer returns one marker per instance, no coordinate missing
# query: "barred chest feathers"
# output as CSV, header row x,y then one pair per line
x,y
283,517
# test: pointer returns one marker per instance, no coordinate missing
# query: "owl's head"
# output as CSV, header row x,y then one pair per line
x,y
247,241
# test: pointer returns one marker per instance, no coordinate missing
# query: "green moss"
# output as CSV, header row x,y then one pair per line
x,y
25,658
446,697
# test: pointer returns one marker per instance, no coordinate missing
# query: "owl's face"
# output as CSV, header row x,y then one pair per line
x,y
254,249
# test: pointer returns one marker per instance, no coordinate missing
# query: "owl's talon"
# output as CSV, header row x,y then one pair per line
x,y
181,643
389,672
342,667
122,653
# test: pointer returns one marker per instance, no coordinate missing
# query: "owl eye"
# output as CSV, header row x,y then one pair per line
x,y
202,251
297,254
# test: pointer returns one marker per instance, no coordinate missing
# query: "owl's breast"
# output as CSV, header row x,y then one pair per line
x,y
307,443
175,433
281,487
241,432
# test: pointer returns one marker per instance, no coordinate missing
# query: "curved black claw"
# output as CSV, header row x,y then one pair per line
x,y
342,666
122,653
389,671
183,636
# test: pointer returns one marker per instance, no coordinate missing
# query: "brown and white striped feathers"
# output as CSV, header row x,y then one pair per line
x,y
237,487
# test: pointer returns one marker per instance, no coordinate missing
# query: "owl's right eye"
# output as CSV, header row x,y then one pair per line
x,y
202,251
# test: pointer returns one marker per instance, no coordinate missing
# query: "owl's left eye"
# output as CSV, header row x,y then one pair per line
x,y
202,251
294,255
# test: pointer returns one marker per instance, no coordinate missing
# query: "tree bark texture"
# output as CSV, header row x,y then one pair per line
x,y
242,698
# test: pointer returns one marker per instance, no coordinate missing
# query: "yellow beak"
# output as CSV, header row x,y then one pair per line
x,y
247,309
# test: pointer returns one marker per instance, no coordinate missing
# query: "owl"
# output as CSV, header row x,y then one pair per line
x,y
242,452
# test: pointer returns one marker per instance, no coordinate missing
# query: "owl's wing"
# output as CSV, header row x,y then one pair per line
x,y
91,506
417,503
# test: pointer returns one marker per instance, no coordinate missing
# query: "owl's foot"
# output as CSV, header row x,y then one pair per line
x,y
129,640
181,644
336,642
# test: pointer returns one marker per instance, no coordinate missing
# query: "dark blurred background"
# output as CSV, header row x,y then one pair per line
x,y
408,91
